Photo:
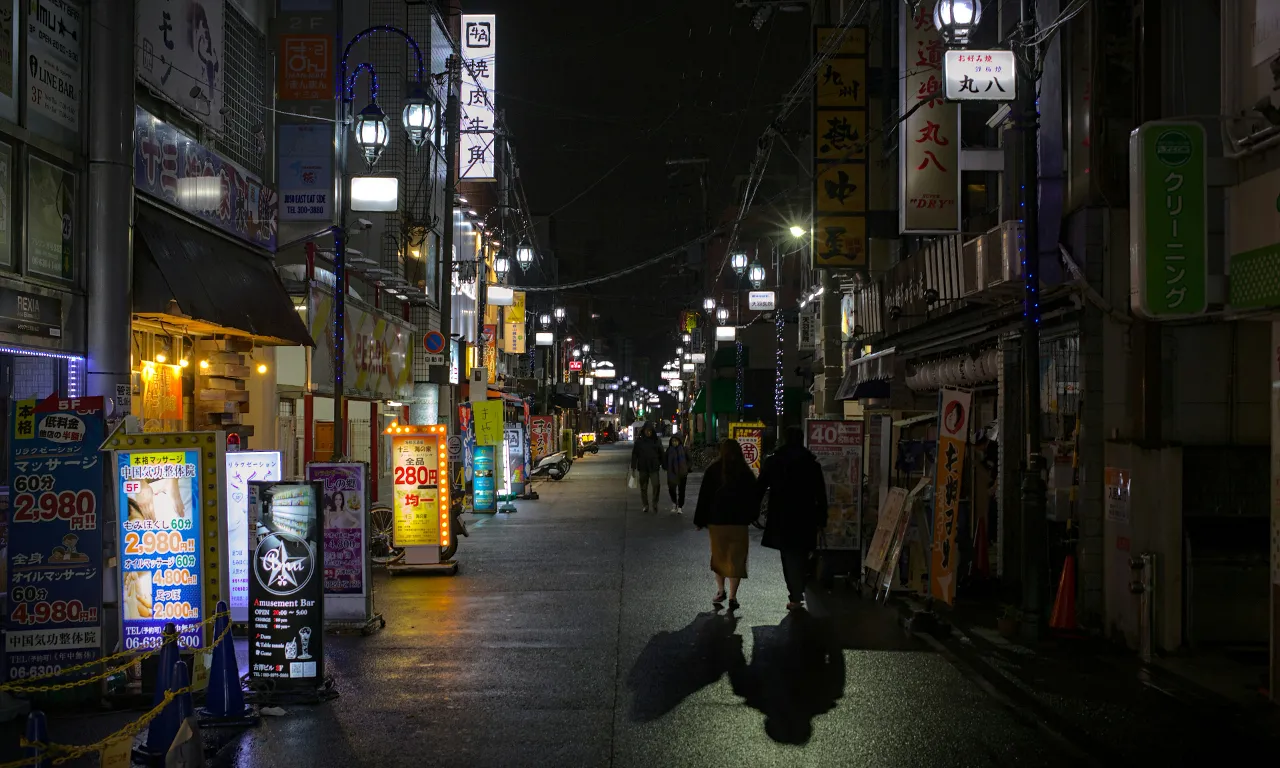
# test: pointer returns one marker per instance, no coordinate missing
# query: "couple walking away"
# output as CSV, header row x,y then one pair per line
x,y
647,461
729,502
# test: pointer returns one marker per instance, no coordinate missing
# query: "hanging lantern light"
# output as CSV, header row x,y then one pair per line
x,y
418,116
544,319
756,275
709,304
524,256
722,314
957,19
559,313
739,263
501,265
372,133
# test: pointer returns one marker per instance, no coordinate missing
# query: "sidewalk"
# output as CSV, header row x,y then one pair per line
x,y
1099,698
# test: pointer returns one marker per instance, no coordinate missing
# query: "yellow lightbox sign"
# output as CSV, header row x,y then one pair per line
x,y
420,483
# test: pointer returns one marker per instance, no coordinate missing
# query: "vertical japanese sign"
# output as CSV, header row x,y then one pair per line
x,y
751,438
55,536
345,489
1168,229
541,432
286,633
953,436
420,472
928,140
840,151
54,45
838,447
179,51
160,498
489,338
243,467
51,216
477,149
517,450
484,492
161,396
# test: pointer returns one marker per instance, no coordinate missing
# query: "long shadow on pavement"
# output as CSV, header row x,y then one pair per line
x,y
796,673
675,665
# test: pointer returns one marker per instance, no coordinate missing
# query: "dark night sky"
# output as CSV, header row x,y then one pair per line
x,y
588,86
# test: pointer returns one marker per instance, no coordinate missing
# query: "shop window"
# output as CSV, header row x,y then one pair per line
x,y
243,136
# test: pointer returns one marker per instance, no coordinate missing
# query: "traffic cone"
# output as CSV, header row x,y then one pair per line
x,y
164,665
38,739
164,727
224,701
1064,606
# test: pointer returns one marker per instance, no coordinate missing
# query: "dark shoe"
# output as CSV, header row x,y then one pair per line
x,y
733,605
718,599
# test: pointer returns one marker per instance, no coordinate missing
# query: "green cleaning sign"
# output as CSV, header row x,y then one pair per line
x,y
1168,229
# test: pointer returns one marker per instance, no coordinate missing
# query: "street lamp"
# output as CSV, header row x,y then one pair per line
x,y
709,304
418,117
559,313
956,19
544,320
756,275
798,231
739,262
501,265
586,348
524,256
679,350
577,351
372,133
722,314
686,338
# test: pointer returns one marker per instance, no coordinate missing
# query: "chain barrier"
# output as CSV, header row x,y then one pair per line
x,y
133,658
62,753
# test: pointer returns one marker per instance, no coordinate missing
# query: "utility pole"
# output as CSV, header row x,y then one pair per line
x,y
709,335
1034,527
446,241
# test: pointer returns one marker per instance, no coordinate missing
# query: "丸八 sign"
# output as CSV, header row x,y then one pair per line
x,y
286,593
54,536
930,137
1168,224
980,75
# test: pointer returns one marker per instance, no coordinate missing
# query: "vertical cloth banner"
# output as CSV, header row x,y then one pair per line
x,y
489,338
838,446
751,438
488,421
55,536
953,436
928,140
840,151
542,434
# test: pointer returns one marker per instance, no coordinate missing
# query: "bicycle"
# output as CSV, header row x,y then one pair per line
x,y
382,549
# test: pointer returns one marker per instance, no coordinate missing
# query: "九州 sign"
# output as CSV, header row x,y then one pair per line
x,y
1168,223
55,536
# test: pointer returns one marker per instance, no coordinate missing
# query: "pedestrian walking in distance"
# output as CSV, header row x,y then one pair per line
x,y
676,463
727,504
646,461
797,509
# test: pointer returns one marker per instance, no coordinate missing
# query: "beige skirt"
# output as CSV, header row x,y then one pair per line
x,y
729,545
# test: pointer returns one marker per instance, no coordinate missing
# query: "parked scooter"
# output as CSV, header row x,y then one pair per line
x,y
555,466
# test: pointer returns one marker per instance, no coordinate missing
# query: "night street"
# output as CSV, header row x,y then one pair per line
x,y
578,633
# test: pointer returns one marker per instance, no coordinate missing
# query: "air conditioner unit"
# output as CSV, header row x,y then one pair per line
x,y
999,261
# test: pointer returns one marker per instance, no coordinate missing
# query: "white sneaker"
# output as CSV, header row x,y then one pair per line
x,y
679,510
675,510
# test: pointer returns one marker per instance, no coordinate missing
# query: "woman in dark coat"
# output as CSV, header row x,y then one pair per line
x,y
727,504
797,509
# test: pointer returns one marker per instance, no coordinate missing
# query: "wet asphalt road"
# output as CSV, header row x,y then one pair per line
x,y
579,633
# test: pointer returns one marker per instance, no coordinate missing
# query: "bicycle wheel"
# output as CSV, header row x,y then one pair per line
x,y
381,525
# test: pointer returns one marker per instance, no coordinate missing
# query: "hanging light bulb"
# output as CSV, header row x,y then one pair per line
x,y
524,256
756,274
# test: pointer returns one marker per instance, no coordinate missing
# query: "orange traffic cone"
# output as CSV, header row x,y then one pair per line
x,y
1064,606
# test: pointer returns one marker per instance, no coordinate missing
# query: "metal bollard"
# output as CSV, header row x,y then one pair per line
x,y
1143,585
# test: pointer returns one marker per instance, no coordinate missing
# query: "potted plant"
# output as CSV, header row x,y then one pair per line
x,y
1008,622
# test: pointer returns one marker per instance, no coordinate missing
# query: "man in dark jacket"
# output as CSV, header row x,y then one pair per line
x,y
646,461
797,509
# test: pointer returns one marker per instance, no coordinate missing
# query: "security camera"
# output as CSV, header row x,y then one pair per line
x,y
364,225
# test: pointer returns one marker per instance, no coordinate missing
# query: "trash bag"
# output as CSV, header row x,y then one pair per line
x,y
632,482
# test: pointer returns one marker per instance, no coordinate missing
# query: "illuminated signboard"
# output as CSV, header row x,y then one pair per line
x,y
286,593
420,472
479,83
160,500
243,467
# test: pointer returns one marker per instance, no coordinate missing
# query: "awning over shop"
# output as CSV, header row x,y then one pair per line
x,y
915,419
868,377
877,389
189,278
